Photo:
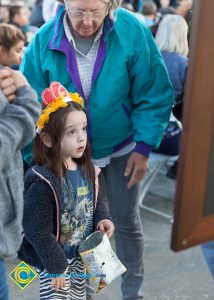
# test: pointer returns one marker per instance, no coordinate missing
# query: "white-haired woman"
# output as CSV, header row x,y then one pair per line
x,y
111,59
171,38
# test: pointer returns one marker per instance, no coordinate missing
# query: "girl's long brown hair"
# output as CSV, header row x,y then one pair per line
x,y
51,157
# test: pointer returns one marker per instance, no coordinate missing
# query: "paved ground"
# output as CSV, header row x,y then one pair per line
x,y
168,275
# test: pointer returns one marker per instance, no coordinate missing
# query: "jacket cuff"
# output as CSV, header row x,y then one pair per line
x,y
143,149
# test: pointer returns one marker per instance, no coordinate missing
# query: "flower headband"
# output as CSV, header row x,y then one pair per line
x,y
55,97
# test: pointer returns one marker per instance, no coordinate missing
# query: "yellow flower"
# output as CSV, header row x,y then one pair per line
x,y
43,120
77,98
52,107
59,102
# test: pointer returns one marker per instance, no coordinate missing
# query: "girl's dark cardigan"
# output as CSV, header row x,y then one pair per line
x,y
40,247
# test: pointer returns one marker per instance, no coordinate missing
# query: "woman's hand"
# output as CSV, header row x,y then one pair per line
x,y
136,167
106,226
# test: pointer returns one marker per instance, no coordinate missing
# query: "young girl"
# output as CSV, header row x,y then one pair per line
x,y
60,208
11,45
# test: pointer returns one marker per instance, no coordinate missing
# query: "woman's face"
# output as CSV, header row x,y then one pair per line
x,y
12,56
86,17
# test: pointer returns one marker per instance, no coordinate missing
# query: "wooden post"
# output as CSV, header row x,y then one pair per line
x,y
194,209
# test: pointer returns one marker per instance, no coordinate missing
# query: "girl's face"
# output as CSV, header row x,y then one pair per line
x,y
86,17
75,137
13,56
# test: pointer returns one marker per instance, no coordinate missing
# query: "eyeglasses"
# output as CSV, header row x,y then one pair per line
x,y
82,15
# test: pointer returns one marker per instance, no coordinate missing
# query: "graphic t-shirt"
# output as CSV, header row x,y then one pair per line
x,y
76,209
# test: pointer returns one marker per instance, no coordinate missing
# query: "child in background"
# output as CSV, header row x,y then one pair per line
x,y
20,17
11,45
4,13
60,208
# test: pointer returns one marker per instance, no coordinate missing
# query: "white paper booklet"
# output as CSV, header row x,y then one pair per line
x,y
100,260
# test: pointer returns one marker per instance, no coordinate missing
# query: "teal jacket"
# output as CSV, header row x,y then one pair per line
x,y
131,94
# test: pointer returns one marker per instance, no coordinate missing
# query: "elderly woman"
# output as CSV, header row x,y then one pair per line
x,y
110,58
171,38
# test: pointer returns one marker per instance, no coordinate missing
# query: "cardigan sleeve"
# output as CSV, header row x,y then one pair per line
x,y
38,225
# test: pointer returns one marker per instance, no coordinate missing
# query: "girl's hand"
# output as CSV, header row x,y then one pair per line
x,y
106,226
58,283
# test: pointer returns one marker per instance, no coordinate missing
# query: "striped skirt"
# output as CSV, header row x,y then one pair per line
x,y
75,283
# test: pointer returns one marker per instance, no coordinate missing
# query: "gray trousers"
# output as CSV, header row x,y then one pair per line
x,y
124,210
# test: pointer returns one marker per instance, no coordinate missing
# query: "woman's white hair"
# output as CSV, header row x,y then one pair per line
x,y
112,5
172,33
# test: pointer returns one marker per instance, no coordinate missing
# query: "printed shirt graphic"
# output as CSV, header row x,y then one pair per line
x,y
76,209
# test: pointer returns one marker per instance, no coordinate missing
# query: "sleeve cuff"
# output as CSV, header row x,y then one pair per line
x,y
143,149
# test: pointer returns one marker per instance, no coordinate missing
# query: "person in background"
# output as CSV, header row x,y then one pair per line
x,y
172,40
20,17
36,17
136,4
166,3
49,9
19,111
11,45
128,98
149,13
184,7
127,6
160,14
4,13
